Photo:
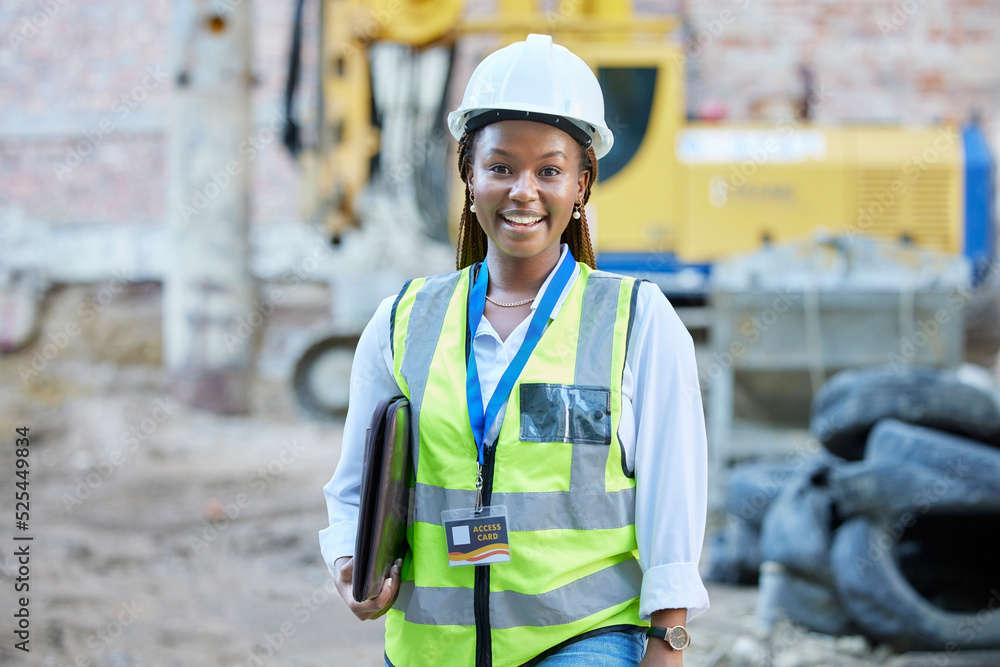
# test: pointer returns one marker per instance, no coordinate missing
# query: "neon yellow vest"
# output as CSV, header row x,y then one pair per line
x,y
557,467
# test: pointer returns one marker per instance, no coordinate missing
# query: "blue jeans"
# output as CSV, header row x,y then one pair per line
x,y
623,648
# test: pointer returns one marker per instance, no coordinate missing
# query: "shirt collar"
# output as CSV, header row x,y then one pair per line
x,y
483,324
548,279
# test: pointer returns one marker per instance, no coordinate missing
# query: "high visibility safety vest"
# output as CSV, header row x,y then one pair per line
x,y
557,466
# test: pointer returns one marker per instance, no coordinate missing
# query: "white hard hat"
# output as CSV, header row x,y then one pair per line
x,y
535,80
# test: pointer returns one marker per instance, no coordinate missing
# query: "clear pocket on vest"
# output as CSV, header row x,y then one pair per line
x,y
565,413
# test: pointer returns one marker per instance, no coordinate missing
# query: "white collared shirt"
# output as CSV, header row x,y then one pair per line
x,y
662,430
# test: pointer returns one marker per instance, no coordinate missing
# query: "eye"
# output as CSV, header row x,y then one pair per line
x,y
550,171
500,169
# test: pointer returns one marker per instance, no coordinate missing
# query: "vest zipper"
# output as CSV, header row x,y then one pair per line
x,y
481,585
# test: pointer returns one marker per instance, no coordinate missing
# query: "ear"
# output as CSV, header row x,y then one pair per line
x,y
581,184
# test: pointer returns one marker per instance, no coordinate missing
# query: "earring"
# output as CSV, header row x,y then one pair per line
x,y
472,199
576,211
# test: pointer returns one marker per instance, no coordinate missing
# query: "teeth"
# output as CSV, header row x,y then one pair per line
x,y
523,220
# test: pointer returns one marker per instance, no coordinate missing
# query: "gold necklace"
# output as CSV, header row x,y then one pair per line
x,y
510,305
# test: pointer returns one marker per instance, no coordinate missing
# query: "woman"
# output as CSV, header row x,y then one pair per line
x,y
555,405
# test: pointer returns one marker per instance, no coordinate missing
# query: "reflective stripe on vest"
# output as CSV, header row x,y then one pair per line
x,y
548,510
453,606
570,505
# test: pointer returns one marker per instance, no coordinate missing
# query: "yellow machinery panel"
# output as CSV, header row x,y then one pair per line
x,y
744,186
909,183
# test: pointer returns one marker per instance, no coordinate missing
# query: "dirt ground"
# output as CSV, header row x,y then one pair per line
x,y
166,535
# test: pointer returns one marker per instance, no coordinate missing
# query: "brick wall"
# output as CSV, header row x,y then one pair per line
x,y
900,61
83,85
85,97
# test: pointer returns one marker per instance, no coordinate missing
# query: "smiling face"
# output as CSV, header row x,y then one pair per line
x,y
526,176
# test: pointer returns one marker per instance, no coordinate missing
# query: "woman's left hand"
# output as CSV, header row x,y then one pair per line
x,y
658,654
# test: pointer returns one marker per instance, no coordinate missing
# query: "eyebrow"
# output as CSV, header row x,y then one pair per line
x,y
503,153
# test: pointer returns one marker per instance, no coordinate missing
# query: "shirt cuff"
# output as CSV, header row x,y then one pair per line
x,y
673,586
336,542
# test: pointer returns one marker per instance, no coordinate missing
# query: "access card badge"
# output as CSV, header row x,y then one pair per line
x,y
476,538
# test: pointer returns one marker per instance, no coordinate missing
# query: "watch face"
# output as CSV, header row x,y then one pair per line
x,y
678,637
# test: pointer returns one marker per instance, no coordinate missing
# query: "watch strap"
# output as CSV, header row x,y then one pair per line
x,y
663,633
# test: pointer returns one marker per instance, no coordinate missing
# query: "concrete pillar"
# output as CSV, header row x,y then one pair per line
x,y
208,318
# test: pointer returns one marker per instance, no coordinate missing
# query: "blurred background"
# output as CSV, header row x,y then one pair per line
x,y
202,202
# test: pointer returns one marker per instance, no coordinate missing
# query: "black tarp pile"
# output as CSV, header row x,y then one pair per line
x,y
893,531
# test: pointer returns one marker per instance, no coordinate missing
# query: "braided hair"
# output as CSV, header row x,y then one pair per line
x,y
472,238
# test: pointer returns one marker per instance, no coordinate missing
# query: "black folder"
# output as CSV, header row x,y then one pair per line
x,y
385,495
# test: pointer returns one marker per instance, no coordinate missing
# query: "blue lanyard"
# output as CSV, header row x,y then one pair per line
x,y
480,419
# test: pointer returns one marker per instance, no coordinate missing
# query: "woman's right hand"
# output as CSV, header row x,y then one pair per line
x,y
369,609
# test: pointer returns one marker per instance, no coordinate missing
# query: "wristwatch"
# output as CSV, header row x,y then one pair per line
x,y
676,637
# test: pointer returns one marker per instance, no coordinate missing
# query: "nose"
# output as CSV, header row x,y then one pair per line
x,y
525,187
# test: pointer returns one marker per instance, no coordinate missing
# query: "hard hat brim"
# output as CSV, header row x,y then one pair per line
x,y
485,118
586,134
